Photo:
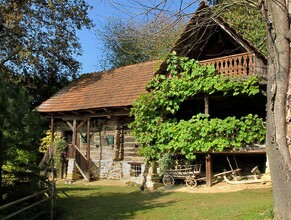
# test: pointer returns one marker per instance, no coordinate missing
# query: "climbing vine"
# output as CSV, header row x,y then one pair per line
x,y
159,132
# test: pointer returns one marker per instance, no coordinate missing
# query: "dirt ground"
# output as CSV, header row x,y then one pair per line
x,y
220,187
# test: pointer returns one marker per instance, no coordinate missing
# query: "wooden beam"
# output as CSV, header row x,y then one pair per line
x,y
80,125
209,174
109,112
206,104
52,136
72,127
74,136
69,124
92,111
126,108
51,151
88,147
91,114
231,152
84,117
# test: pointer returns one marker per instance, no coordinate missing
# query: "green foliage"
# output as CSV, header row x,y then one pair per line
x,y
164,163
38,42
20,130
130,41
60,148
45,142
246,20
20,127
60,153
158,131
203,134
37,34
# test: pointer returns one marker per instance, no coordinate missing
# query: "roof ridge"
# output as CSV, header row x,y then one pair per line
x,y
116,68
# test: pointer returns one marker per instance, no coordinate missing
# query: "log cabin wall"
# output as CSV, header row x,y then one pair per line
x,y
113,149
260,68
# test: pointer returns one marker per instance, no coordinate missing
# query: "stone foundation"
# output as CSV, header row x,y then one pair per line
x,y
73,172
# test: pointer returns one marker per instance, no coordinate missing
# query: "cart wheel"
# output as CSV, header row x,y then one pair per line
x,y
168,180
191,182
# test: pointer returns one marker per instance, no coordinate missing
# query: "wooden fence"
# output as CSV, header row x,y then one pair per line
x,y
51,191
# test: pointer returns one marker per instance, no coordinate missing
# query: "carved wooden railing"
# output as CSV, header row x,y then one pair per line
x,y
237,65
81,161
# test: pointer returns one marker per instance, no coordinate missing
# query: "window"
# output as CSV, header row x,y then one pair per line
x,y
135,169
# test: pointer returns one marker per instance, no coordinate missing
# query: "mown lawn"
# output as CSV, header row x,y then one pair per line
x,y
113,202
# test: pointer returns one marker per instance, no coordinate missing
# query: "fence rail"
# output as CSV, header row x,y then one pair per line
x,y
52,194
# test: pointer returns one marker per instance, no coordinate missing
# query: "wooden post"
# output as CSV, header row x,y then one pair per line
x,y
51,151
208,162
74,137
206,104
52,137
208,158
53,201
88,148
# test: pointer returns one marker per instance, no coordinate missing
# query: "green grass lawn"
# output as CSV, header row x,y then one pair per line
x,y
113,202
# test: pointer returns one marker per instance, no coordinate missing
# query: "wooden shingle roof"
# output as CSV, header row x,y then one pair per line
x,y
208,36
115,88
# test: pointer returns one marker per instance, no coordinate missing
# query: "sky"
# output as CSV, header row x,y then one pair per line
x,y
92,47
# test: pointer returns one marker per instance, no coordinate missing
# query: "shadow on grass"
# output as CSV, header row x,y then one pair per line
x,y
106,202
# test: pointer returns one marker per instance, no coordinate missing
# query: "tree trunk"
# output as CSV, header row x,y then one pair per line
x,y
145,173
277,20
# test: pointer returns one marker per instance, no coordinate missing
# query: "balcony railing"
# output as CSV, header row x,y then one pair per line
x,y
238,65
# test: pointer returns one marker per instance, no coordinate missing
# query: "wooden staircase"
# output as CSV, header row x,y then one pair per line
x,y
86,167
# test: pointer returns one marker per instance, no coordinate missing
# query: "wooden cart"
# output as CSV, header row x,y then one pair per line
x,y
182,172
191,181
191,175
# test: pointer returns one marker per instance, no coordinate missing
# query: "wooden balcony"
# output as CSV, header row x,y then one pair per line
x,y
243,64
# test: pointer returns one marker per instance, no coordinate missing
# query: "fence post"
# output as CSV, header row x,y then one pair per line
x,y
53,201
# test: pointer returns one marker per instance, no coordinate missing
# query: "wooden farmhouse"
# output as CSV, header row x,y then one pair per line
x,y
92,112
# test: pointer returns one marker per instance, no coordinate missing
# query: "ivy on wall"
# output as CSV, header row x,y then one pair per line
x,y
158,131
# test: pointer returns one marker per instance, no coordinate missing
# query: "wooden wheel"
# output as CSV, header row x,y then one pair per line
x,y
168,180
191,182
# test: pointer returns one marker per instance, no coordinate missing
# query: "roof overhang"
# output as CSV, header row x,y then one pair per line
x,y
106,112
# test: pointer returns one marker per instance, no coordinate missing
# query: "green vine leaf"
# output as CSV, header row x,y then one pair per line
x,y
158,131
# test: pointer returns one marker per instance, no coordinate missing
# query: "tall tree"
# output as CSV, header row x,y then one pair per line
x,y
128,41
278,148
37,46
247,21
38,41
20,130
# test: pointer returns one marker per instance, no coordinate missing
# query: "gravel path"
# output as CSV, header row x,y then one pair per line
x,y
221,187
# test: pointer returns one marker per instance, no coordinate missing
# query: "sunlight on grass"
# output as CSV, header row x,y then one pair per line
x,y
113,202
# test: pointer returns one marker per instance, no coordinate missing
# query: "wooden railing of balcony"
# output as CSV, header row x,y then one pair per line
x,y
237,65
